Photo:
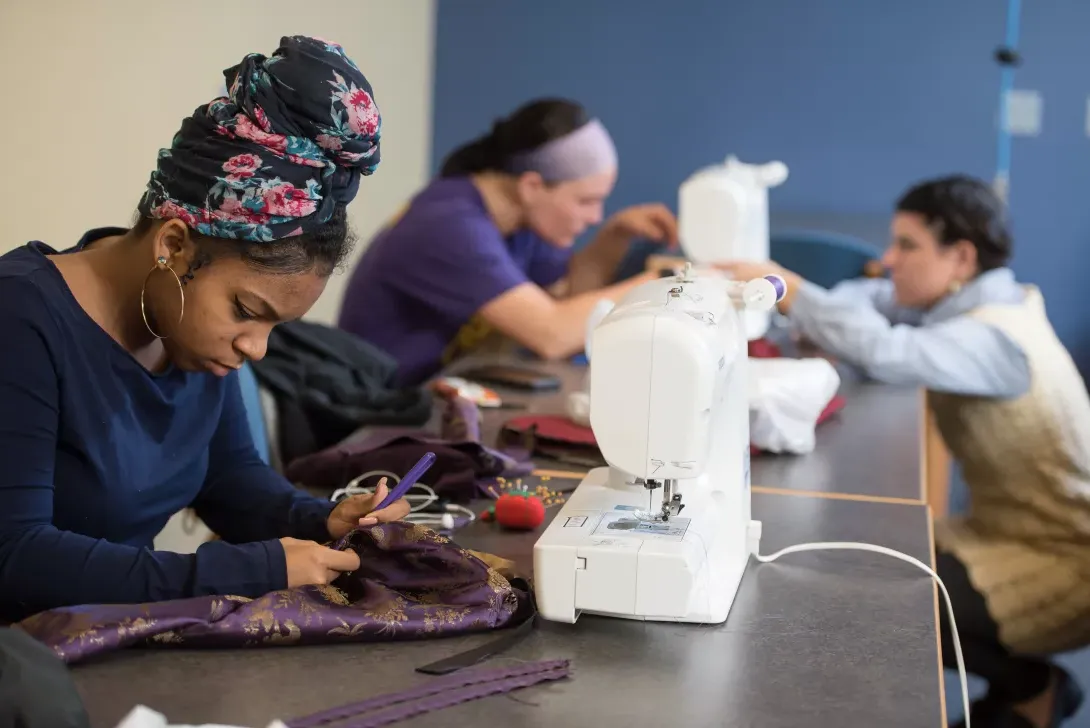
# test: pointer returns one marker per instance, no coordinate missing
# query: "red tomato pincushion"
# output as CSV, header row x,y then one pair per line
x,y
520,511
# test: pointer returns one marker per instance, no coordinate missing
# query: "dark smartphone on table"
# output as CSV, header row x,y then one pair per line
x,y
505,375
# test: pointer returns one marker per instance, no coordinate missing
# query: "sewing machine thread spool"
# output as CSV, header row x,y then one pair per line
x,y
779,284
761,294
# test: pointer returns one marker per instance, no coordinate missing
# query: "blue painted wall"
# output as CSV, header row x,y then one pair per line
x,y
858,97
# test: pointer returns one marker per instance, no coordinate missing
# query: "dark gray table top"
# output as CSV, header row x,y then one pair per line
x,y
835,638
873,447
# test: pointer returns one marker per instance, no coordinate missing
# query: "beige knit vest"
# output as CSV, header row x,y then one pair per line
x,y
1026,462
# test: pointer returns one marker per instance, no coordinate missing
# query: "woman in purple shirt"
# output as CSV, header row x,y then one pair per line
x,y
487,247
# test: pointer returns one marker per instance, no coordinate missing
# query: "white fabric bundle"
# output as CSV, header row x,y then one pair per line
x,y
786,397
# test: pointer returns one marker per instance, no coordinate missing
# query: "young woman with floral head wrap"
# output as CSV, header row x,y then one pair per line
x,y
119,396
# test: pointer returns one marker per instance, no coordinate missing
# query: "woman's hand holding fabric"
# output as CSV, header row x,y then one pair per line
x,y
311,563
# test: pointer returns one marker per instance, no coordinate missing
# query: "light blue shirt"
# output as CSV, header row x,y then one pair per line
x,y
941,349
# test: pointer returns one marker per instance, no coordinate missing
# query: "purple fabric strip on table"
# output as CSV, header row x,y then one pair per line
x,y
412,584
439,693
448,699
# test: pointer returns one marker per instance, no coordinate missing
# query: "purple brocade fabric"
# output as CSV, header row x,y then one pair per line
x,y
413,584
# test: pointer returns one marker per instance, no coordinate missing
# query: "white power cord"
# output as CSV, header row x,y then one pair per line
x,y
851,546
417,502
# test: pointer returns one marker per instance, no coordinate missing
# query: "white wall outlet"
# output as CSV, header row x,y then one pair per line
x,y
1024,111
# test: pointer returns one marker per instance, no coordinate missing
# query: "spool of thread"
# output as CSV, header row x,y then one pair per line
x,y
779,284
761,294
519,511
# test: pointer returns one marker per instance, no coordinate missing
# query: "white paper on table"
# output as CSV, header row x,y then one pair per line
x,y
144,717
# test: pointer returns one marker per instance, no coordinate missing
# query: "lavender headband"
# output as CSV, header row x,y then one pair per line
x,y
587,151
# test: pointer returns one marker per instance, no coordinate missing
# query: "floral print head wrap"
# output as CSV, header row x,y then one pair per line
x,y
274,157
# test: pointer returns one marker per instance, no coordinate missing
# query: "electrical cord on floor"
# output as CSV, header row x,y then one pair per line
x,y
852,546
420,497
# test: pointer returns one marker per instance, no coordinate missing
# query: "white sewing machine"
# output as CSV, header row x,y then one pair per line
x,y
664,532
723,215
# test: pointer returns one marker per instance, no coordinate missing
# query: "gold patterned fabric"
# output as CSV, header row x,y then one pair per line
x,y
412,583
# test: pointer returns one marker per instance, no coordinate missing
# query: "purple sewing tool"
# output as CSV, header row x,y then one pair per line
x,y
408,481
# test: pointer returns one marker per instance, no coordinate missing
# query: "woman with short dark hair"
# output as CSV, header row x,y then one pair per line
x,y
1013,411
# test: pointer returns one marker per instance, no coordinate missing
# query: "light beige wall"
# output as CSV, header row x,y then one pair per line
x,y
92,90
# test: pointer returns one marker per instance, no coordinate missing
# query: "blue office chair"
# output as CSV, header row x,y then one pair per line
x,y
251,397
825,258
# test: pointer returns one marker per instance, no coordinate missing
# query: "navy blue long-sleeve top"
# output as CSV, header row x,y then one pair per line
x,y
97,453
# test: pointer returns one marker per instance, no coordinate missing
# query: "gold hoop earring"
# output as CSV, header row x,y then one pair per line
x,y
160,264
